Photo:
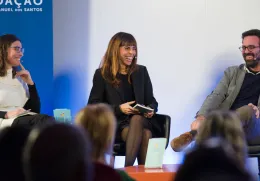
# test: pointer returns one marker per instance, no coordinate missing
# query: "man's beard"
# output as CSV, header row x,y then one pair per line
x,y
251,63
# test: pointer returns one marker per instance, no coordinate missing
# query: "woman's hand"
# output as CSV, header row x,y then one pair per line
x,y
25,75
149,114
126,108
14,113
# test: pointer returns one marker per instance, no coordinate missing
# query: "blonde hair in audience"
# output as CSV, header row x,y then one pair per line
x,y
227,125
100,123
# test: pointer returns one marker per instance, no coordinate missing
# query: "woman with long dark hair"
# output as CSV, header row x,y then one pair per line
x,y
121,83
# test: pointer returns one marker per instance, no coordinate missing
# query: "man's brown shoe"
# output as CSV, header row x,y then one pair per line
x,y
179,143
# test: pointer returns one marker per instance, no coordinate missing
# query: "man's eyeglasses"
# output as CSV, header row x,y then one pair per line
x,y
18,49
249,47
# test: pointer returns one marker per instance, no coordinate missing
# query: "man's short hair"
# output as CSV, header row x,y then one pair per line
x,y
252,32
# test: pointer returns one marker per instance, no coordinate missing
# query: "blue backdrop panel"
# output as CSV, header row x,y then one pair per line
x,y
31,21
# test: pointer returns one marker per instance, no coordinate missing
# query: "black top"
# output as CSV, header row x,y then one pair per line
x,y
249,92
32,103
103,91
127,88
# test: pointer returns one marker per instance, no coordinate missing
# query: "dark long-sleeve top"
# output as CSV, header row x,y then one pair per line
x,y
141,90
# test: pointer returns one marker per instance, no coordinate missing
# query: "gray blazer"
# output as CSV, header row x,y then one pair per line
x,y
226,91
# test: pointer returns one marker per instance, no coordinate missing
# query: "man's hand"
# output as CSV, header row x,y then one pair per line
x,y
196,123
255,108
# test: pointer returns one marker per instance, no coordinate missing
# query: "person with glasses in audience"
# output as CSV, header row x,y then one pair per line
x,y
18,92
121,82
238,90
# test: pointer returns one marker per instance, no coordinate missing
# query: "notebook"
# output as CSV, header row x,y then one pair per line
x,y
143,109
27,112
155,153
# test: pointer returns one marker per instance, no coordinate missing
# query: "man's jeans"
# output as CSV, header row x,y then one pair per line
x,y
250,123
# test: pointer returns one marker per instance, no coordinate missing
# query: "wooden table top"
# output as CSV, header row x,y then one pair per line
x,y
138,172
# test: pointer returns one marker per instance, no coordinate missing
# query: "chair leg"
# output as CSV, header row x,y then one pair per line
x,y
112,161
258,160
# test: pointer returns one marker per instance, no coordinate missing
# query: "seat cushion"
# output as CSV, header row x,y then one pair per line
x,y
119,149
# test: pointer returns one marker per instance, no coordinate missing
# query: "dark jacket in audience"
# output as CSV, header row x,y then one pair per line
x,y
106,173
12,140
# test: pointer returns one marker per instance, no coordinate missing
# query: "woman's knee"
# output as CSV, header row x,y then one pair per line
x,y
147,134
137,119
124,133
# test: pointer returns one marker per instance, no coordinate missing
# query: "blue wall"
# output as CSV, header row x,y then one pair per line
x,y
35,30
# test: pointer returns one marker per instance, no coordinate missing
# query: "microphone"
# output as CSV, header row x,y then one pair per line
x,y
256,56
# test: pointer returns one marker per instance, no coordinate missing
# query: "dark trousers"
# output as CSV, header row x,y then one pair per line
x,y
31,121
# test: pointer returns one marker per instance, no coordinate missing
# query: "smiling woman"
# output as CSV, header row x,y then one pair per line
x,y
17,89
120,82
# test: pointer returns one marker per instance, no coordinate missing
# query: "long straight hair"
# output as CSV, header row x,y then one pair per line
x,y
110,65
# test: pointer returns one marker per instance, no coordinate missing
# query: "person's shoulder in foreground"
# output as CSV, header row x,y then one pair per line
x,y
125,176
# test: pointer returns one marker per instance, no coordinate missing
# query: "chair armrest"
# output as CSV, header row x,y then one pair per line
x,y
253,150
165,124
